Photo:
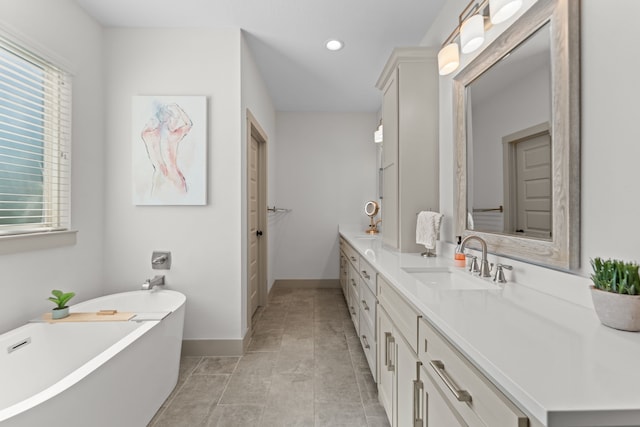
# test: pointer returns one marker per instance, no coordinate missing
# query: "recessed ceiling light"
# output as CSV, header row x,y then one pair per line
x,y
334,44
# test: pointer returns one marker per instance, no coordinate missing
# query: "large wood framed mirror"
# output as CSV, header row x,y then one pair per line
x,y
517,118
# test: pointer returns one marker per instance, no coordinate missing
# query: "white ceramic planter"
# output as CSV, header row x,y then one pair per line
x,y
59,313
617,311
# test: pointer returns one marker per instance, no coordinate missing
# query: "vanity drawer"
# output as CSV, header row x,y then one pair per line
x,y
367,305
403,315
368,274
368,341
352,255
464,386
354,307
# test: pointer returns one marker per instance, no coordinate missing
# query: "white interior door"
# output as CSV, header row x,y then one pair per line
x,y
533,180
254,225
257,247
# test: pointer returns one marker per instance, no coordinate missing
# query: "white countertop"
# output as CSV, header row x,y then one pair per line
x,y
551,357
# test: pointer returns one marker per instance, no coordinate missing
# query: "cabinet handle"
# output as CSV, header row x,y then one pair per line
x,y
387,359
353,311
460,395
366,343
389,351
353,259
353,283
418,389
364,305
365,275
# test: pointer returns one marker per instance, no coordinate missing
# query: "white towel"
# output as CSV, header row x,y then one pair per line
x,y
428,228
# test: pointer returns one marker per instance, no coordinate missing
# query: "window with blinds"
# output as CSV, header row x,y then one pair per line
x,y
35,142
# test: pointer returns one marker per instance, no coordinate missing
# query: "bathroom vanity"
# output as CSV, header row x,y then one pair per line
x,y
454,349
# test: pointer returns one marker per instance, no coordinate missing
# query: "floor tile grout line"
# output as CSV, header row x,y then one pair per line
x,y
174,393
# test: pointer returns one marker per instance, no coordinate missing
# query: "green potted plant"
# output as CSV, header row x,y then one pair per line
x,y
60,299
616,293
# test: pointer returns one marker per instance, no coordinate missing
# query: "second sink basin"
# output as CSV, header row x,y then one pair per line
x,y
446,279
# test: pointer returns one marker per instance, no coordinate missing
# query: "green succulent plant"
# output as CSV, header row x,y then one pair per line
x,y
616,276
60,298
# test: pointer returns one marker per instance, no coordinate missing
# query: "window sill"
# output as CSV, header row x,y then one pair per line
x,y
36,241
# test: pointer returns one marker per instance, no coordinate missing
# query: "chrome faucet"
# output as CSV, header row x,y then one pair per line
x,y
151,283
485,269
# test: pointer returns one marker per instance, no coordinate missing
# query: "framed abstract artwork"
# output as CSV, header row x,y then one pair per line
x,y
169,145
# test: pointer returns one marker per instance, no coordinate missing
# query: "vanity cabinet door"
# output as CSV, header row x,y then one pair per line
x,y
386,361
344,273
434,409
405,399
389,208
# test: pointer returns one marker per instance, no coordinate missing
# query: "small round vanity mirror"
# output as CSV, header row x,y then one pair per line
x,y
371,208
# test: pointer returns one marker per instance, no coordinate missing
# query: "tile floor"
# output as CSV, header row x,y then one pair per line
x,y
304,367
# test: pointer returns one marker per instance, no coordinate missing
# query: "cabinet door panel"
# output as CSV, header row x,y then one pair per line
x,y
406,374
386,358
390,122
390,205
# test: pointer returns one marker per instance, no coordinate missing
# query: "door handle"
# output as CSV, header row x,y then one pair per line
x,y
259,233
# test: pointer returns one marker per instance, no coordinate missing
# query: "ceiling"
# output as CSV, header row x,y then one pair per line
x,y
287,40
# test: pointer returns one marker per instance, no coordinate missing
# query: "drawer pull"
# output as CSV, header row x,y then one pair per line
x,y
366,343
353,283
353,258
418,390
388,340
365,275
460,395
353,310
364,305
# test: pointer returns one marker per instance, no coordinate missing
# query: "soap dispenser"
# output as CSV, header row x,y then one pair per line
x,y
458,255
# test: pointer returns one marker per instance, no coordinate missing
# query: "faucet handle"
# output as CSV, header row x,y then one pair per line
x,y
499,277
473,266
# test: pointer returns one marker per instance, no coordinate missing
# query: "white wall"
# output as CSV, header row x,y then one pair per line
x,y
325,173
609,143
205,241
256,98
62,31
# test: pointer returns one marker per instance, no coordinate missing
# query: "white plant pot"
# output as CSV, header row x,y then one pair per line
x,y
618,311
59,313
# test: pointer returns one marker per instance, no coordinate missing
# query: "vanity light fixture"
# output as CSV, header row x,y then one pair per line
x,y
334,45
472,23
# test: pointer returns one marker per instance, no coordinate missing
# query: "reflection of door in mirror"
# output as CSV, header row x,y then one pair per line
x,y
514,94
527,185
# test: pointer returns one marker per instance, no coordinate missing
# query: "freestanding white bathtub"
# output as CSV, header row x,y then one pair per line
x,y
93,373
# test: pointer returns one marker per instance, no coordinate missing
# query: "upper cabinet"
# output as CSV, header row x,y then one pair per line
x,y
409,85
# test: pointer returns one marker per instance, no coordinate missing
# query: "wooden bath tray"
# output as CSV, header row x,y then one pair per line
x,y
91,317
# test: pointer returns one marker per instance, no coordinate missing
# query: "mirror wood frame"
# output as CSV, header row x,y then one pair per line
x,y
563,251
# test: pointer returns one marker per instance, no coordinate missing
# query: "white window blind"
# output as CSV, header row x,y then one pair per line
x,y
35,142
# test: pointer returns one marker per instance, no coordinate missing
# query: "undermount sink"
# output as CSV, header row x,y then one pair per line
x,y
366,237
447,279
